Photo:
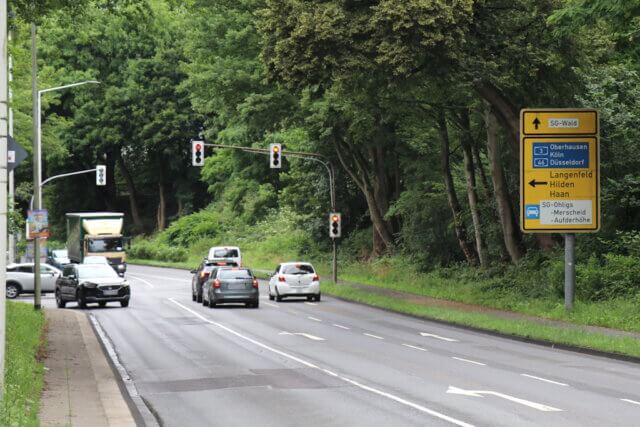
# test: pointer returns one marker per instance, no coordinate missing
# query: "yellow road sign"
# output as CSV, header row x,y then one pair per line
x,y
559,122
559,175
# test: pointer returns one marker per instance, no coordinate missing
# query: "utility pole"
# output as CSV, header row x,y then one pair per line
x,y
4,140
36,165
12,242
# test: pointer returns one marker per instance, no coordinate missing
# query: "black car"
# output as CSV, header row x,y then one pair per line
x,y
58,258
231,285
87,283
202,273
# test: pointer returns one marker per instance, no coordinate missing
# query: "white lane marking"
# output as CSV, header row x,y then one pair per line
x,y
480,393
271,305
415,347
302,334
142,280
314,319
545,380
630,401
311,303
469,361
438,337
340,326
311,365
373,336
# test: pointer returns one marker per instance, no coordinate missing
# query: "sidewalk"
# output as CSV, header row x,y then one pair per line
x,y
510,315
80,387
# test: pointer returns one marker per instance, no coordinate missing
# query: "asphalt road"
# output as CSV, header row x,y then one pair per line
x,y
339,364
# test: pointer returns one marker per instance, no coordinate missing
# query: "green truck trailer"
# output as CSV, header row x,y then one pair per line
x,y
97,233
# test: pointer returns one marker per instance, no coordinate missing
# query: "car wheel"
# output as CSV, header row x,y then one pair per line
x,y
318,297
271,296
310,298
205,302
102,304
199,298
193,296
256,304
82,303
13,290
124,303
59,301
278,296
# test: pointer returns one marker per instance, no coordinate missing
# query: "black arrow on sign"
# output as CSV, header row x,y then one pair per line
x,y
536,123
533,183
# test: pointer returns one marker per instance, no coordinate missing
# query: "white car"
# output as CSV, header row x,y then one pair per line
x,y
294,279
20,279
225,254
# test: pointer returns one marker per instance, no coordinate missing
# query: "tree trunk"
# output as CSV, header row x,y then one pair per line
x,y
162,203
466,142
452,197
510,231
131,188
480,166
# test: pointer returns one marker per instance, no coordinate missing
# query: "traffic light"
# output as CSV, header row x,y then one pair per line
x,y
335,225
197,153
275,156
101,175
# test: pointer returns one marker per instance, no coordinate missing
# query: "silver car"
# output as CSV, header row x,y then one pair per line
x,y
20,279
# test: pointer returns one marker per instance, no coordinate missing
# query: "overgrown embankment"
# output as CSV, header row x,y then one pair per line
x,y
24,368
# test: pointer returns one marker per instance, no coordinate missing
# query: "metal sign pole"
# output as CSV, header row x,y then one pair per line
x,y
569,270
4,140
36,164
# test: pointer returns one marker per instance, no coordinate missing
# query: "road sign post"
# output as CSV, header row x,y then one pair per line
x,y
560,177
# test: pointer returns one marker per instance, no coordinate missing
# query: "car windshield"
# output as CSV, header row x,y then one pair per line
x,y
235,274
60,253
96,271
223,253
298,269
111,244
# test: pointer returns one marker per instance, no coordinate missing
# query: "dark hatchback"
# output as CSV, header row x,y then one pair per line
x,y
202,273
231,285
86,283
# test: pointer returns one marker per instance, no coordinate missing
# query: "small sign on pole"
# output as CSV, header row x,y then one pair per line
x,y
38,224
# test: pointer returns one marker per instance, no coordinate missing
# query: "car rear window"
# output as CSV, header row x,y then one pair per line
x,y
240,273
298,269
224,253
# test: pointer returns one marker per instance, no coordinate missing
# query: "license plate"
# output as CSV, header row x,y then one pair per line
x,y
236,286
110,292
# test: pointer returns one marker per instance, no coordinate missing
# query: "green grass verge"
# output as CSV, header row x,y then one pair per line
x,y
519,328
24,371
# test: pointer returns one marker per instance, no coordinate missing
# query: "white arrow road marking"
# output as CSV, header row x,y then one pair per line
x,y
414,347
302,334
438,337
479,393
340,326
469,361
374,336
630,401
308,364
545,380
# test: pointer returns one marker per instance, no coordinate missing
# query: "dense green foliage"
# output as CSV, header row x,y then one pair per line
x,y
24,370
415,103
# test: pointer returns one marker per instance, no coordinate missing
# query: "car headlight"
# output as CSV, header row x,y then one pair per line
x,y
90,285
125,283
121,267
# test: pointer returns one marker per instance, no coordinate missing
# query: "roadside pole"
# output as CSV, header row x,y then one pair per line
x,y
36,165
4,140
11,243
569,270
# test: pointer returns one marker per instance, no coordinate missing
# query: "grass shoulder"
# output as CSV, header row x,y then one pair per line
x,y
24,366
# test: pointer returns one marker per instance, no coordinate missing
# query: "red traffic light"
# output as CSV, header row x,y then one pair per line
x,y
335,218
198,147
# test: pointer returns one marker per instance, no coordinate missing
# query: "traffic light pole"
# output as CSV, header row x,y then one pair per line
x,y
63,175
316,157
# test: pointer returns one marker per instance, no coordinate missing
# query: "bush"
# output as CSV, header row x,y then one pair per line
x,y
608,278
150,249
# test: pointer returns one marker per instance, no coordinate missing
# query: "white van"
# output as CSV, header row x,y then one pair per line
x,y
225,254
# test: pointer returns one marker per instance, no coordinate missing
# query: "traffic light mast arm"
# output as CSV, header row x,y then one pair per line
x,y
297,154
62,175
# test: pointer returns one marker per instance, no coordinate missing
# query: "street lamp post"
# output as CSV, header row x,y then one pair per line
x,y
37,183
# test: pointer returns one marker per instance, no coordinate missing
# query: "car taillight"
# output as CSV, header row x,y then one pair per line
x,y
255,283
216,284
204,274
281,279
316,278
